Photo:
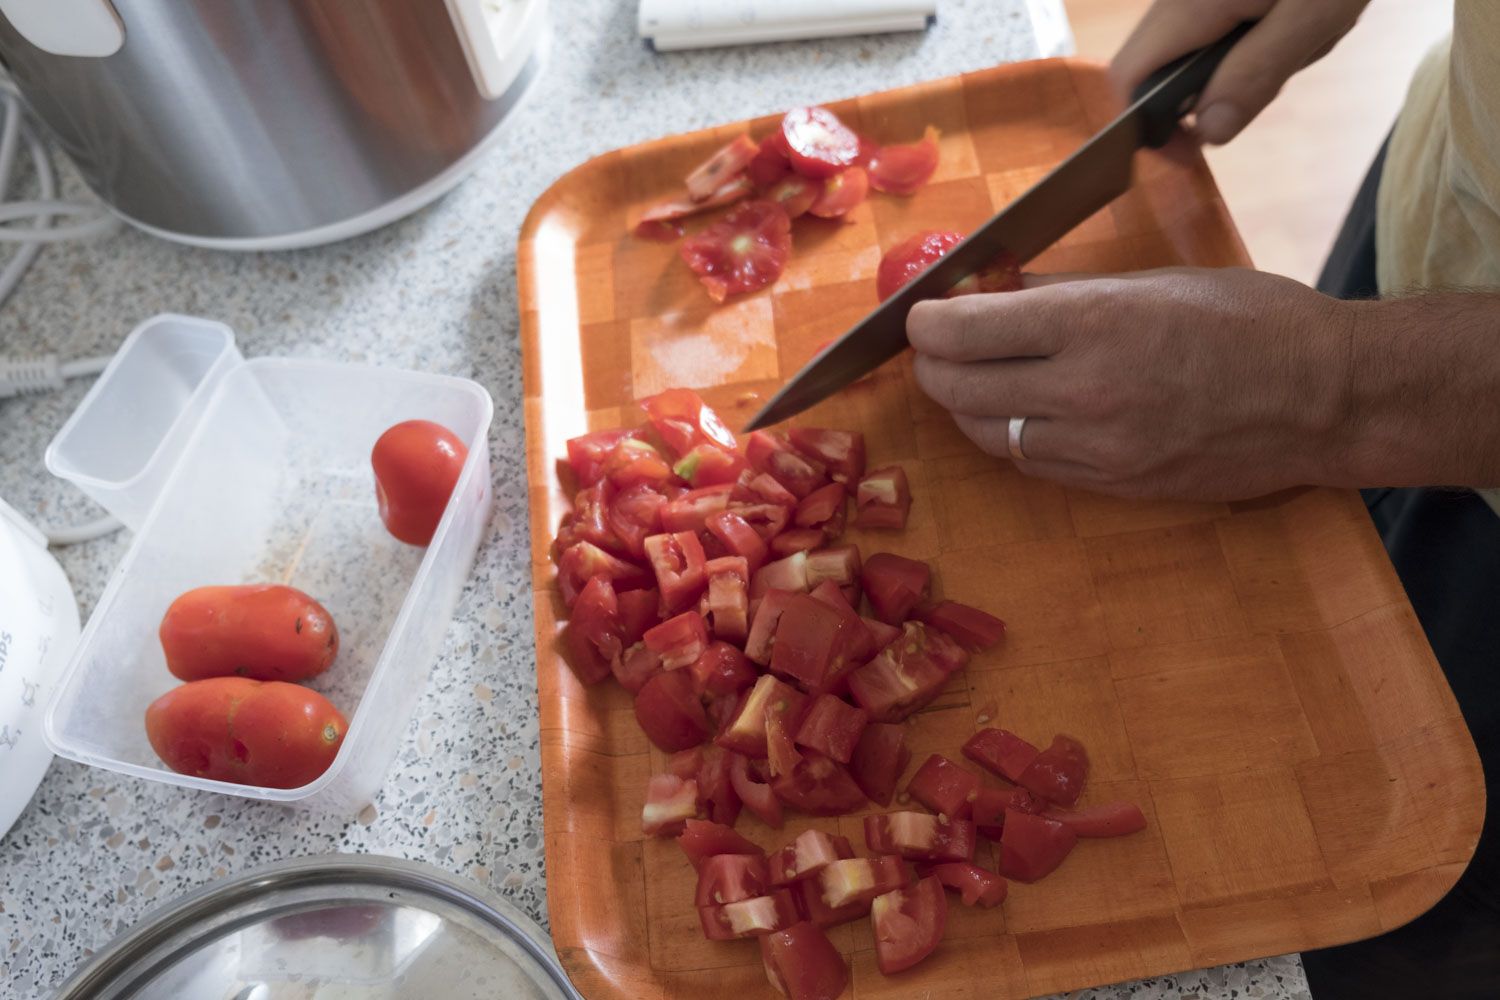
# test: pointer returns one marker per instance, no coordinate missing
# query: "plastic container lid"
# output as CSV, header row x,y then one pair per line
x,y
341,925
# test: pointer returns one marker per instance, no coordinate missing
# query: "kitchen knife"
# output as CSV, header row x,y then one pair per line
x,y
1085,182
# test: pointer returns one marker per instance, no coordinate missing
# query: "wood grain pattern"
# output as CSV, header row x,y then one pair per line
x,y
1251,673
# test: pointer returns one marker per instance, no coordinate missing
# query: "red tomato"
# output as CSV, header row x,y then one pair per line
x,y
781,755
904,169
265,733
702,840
638,612
670,802
722,670
596,614
797,540
265,632
841,194
745,250
819,786
920,836
1001,752
838,565
909,258
587,452
820,145
990,806
767,519
908,925
895,585
812,644
582,656
832,727
680,206
862,646
971,628
416,464
749,917
738,537
772,455
691,511
789,574
770,163
754,488
633,461
709,465
906,675
975,885
944,787
879,760
591,517
635,666
722,166
747,732
716,794
1058,773
810,899
659,230
583,561
669,712
818,507
634,514
1033,846
810,853
803,964
859,880
677,560
1108,819
729,596
756,795
884,634
763,625
729,878
883,499
796,194
684,421
678,641
842,453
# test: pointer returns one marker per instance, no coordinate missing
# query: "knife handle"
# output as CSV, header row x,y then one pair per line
x,y
1171,91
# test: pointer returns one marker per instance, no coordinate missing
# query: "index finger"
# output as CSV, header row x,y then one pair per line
x,y
985,327
1172,28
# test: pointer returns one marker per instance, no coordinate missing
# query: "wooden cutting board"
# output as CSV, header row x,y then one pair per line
x,y
1251,673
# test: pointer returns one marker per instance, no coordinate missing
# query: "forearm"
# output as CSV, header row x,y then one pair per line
x,y
1423,392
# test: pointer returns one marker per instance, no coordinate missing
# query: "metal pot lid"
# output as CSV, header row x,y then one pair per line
x,y
335,927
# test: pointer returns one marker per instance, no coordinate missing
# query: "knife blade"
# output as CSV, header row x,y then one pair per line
x,y
1095,175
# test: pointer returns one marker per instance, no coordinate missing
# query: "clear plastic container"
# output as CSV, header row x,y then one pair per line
x,y
273,484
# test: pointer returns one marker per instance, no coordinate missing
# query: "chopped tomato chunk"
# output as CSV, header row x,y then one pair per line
x,y
797,540
633,461
810,898
976,886
819,144
906,675
859,880
582,656
770,163
944,787
832,727
744,251
749,917
709,465
883,499
755,487
596,614
813,643
729,878
635,666
772,455
818,507
747,732
585,560
670,803
684,421
678,641
738,537
1108,819
634,514
842,453
879,759
1058,773
838,565
669,712
796,194
721,670
803,964
789,574
974,630
680,207
920,836
757,795
678,561
722,166
810,853
908,925
691,511
729,596
895,585
1000,752
701,840
586,454
841,194
763,626
820,786
990,806
1033,846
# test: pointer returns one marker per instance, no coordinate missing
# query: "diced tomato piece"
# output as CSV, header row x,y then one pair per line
x,y
991,804
591,517
767,519
879,760
841,193
586,454
859,880
862,646
797,540
908,925
702,839
789,574
747,732
1108,819
974,630
818,507
684,421
904,169
909,258
781,753
772,455
729,596
895,585
906,675
596,614
796,194
682,206
639,610
802,964
582,656
832,727
757,796
838,564
635,666
842,453
976,886
810,853
749,917
944,787
738,537
635,513
813,644
1000,752
633,461
770,163
1058,773
709,465
566,538
669,712
820,786
884,634
723,165
756,487
716,795
678,561
678,641
819,144
810,898
883,499
670,803
745,250
920,836
729,878
585,560
763,625
686,763
1033,846
691,511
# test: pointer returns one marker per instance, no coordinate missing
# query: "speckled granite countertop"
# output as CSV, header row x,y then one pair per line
x,y
435,292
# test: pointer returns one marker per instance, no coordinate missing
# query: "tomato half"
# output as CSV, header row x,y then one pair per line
x,y
820,786
597,615
859,880
678,562
729,597
417,464
709,465
841,194
880,758
796,194
745,250
266,632
895,585
670,802
810,853
757,795
738,538
1033,846
976,886
729,878
1058,773
908,925
909,258
883,499
770,163
1108,819
723,165
691,511
974,630
819,144
944,787
803,964
832,727
669,712
703,839
746,734
772,455
903,169
921,836
684,421
1000,752
841,453
634,514
749,917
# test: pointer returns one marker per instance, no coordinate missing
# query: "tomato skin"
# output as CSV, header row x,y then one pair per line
x,y
908,924
1108,819
803,964
1058,773
862,643
684,421
842,453
744,251
905,168
842,193
797,540
757,796
944,787
265,733
818,143
895,585
976,631
880,757
639,610
1000,752
417,464
909,258
976,886
669,712
265,632
729,878
820,786
1033,846
804,857
772,455
883,499
597,615
702,840
832,727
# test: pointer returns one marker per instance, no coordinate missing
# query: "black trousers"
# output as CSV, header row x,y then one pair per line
x,y
1445,545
